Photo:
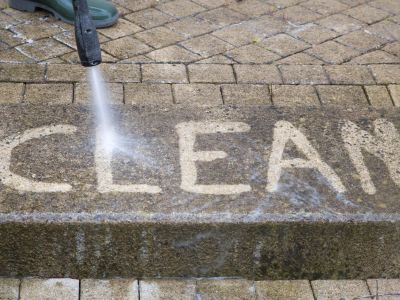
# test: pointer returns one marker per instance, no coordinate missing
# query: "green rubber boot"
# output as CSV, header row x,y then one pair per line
x,y
103,12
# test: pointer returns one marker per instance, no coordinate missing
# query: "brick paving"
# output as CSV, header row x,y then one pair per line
x,y
308,52
200,288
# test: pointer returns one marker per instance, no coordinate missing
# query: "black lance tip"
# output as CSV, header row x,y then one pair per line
x,y
86,37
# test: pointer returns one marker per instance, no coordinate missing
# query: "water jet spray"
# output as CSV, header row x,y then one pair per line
x,y
86,37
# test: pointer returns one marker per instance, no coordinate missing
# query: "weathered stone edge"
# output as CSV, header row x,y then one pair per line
x,y
270,250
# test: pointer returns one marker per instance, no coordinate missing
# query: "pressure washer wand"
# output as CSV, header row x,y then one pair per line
x,y
86,37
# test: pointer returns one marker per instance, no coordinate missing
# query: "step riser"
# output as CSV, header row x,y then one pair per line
x,y
264,251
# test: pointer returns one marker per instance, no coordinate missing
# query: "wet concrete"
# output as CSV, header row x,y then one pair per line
x,y
330,211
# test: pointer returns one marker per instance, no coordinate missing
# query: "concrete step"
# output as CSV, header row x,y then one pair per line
x,y
257,192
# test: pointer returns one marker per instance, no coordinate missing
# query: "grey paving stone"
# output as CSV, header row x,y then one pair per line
x,y
11,92
9,288
257,74
164,73
53,93
303,74
165,289
394,90
378,96
246,94
49,289
21,72
125,47
114,289
340,289
348,74
384,289
252,54
284,290
342,95
386,73
159,37
207,45
197,94
149,18
121,29
173,54
225,289
210,73
294,95
83,93
148,94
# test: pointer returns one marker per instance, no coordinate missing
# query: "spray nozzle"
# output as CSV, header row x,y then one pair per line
x,y
86,37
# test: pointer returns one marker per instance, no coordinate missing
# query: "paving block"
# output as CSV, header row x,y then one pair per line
x,y
333,52
159,37
386,73
298,74
57,72
374,57
284,290
210,73
83,93
226,289
149,18
252,54
284,44
294,95
298,15
44,49
120,72
341,23
349,74
394,90
361,40
325,7
21,72
121,29
378,96
340,289
180,8
384,289
313,34
148,94
246,94
386,29
114,289
164,73
125,47
367,13
261,74
191,26
9,288
197,94
11,92
166,289
48,94
49,289
342,95
252,8
206,45
300,59
173,54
